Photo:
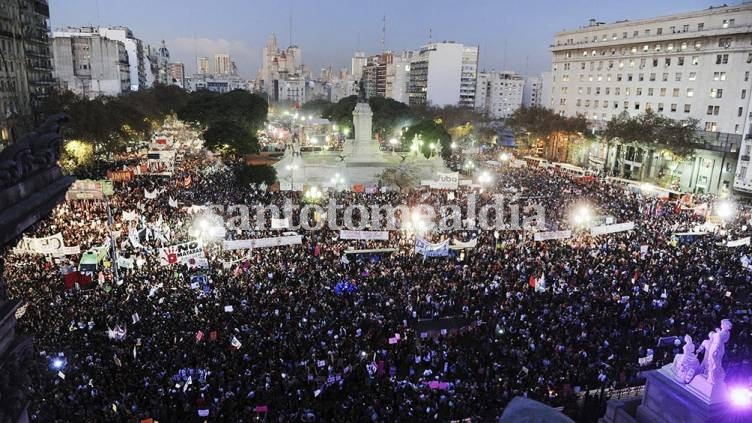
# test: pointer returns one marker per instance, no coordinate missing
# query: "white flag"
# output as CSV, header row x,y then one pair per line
x,y
173,202
188,382
135,318
235,343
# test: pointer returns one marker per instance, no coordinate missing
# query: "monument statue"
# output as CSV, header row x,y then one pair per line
x,y
362,94
715,353
686,365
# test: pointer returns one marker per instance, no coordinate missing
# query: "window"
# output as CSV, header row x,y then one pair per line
x,y
638,91
675,92
716,93
626,91
655,62
680,60
617,91
626,105
645,48
744,94
659,31
739,112
618,77
696,60
673,107
633,50
665,77
698,45
690,92
600,77
687,108
637,106
700,26
667,62
652,76
713,110
683,46
663,92
685,28
721,59
711,126
749,57
608,90
650,92
728,22
588,90
677,77
605,104
597,90
608,77
579,102
642,63
724,42
719,76
672,29
746,76
629,77
670,47
631,63
692,76
657,47
660,107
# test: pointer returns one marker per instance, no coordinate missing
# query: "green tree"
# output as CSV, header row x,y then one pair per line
x,y
555,131
315,107
250,174
428,132
230,138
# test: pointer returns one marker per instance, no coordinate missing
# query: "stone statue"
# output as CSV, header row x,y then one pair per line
x,y
362,95
686,365
37,150
704,347
716,374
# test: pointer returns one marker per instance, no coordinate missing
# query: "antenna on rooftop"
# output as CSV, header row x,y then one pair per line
x,y
430,36
290,24
383,33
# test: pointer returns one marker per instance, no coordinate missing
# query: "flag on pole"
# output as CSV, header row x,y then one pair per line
x,y
188,382
117,360
540,284
173,202
135,318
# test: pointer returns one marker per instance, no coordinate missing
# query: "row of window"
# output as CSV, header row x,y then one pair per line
x,y
690,92
673,29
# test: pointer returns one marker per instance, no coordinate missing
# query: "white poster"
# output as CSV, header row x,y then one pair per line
x,y
610,229
161,162
428,249
181,253
277,241
131,215
446,180
280,223
469,244
545,236
367,235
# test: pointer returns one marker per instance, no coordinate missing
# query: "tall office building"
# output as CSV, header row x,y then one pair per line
x,y
532,92
282,75
358,62
443,74
689,65
177,74
222,64
202,65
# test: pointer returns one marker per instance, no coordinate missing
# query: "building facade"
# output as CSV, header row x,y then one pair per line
x,y
499,94
177,74
532,92
443,74
91,65
690,65
138,60
282,75
222,64
202,65
358,62
26,68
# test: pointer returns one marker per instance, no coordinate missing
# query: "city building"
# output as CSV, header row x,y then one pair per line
x,y
91,65
532,92
138,61
499,94
282,75
216,83
177,74
160,64
387,75
546,97
443,74
202,66
222,64
689,65
358,62
26,76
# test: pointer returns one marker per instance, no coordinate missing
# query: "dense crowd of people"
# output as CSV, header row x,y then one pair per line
x,y
414,339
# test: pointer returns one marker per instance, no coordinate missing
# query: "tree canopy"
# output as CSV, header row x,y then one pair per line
x,y
255,174
231,138
653,130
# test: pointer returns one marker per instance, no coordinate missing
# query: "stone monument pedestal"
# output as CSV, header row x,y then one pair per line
x,y
668,400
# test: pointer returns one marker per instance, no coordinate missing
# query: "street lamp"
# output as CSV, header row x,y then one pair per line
x,y
725,209
453,145
291,168
337,180
393,142
582,216
504,157
485,178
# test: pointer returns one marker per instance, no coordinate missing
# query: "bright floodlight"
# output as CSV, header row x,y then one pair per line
x,y
57,364
740,396
314,140
203,224
581,215
504,157
393,141
453,145
724,209
485,178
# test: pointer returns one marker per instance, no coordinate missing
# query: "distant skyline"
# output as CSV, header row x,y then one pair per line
x,y
511,35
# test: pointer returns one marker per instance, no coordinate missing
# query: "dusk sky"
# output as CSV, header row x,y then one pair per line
x,y
330,31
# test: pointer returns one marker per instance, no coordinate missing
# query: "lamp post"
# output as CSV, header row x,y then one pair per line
x,y
393,142
292,168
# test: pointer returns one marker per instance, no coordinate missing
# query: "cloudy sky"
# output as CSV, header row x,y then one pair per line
x,y
512,34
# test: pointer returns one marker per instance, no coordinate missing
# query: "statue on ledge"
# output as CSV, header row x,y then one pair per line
x,y
37,150
686,365
716,351
363,93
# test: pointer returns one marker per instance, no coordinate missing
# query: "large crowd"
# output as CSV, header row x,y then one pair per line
x,y
293,348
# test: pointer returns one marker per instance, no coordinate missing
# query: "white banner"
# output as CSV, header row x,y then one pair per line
x,y
280,223
469,244
181,253
610,229
277,241
52,245
131,215
428,249
367,235
151,195
446,180
738,242
545,236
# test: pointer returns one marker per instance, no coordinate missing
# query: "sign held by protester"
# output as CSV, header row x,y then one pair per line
x,y
366,235
181,253
427,249
276,241
610,229
545,236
